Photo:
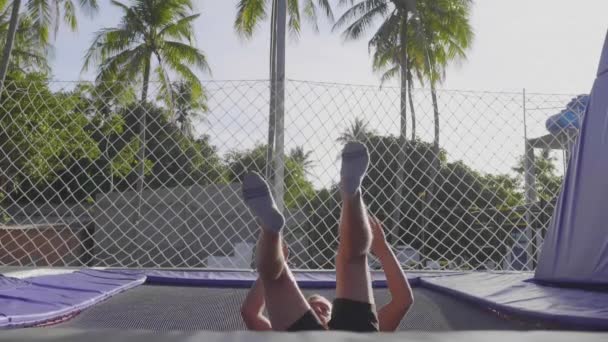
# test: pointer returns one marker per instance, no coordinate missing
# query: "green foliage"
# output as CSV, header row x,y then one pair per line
x,y
358,130
28,53
464,198
187,104
125,160
42,131
302,158
172,158
548,182
250,13
69,146
159,31
298,190
432,34
47,14
506,190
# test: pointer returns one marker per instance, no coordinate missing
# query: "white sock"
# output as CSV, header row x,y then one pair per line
x,y
355,160
258,198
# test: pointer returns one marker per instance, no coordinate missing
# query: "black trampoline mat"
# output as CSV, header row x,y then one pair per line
x,y
163,308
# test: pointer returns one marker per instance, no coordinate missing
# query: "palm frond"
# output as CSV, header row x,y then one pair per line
x,y
43,16
173,50
180,29
186,73
127,63
69,15
390,74
166,91
108,41
150,29
326,7
310,13
294,22
356,11
249,15
361,17
388,32
90,7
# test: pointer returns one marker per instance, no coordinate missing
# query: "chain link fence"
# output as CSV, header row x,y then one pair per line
x,y
92,176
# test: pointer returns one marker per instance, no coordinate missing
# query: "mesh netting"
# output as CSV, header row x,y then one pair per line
x,y
93,177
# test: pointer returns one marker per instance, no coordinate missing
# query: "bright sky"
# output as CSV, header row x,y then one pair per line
x,y
546,46
542,45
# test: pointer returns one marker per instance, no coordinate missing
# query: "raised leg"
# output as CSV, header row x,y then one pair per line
x,y
284,301
353,279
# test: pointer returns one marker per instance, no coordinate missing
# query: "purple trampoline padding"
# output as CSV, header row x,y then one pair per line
x,y
514,294
575,249
35,300
27,302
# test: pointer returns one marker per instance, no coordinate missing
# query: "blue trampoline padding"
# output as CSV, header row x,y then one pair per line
x,y
515,294
27,302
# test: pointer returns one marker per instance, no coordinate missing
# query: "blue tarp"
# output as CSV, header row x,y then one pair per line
x,y
569,118
575,250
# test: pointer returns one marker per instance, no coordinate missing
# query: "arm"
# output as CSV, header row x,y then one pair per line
x,y
253,308
390,315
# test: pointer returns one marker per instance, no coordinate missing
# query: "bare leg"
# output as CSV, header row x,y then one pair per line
x,y
284,300
353,279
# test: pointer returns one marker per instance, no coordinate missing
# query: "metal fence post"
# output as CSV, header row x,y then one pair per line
x,y
279,157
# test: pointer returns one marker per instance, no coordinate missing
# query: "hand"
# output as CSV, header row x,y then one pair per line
x,y
379,244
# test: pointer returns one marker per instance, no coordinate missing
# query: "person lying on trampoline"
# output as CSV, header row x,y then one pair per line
x,y
359,233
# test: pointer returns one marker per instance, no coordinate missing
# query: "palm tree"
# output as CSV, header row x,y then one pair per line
x,y
386,61
410,91
149,29
444,36
415,37
302,158
27,54
187,107
44,15
250,13
391,36
358,130
439,34
392,32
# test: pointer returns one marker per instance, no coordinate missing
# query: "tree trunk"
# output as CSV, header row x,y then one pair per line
x,y
5,178
146,83
142,137
434,171
279,154
10,39
400,178
435,119
410,86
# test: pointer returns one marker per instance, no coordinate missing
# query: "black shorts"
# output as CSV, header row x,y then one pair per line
x,y
346,315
